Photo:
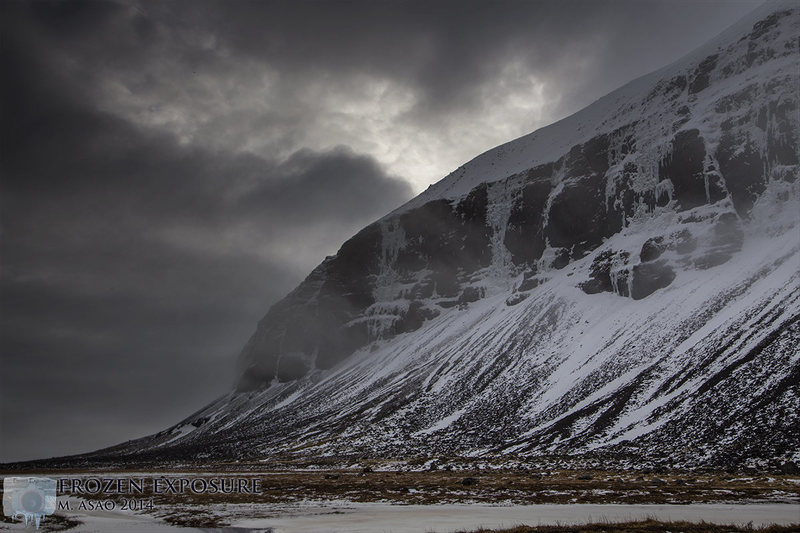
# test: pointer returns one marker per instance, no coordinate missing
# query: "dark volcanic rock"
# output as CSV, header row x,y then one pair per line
x,y
446,240
600,278
577,216
529,280
742,166
782,146
652,249
700,77
471,294
684,167
600,273
649,277
763,26
416,315
621,203
561,260
682,242
524,238
644,278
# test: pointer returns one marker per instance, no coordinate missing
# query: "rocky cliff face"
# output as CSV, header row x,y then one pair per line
x,y
623,282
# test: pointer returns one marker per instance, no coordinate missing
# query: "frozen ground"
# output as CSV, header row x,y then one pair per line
x,y
373,517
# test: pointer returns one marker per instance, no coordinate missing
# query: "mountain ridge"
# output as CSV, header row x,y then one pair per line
x,y
633,296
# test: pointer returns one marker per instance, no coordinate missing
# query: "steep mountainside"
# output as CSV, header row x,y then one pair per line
x,y
623,282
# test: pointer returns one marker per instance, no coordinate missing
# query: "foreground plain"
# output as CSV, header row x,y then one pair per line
x,y
371,495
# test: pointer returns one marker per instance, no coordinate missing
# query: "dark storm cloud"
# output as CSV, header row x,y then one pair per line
x,y
134,267
449,48
169,169
421,86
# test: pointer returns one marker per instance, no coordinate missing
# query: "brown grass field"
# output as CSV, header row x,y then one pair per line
x,y
370,482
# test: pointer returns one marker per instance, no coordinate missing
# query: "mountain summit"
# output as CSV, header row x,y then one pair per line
x,y
624,283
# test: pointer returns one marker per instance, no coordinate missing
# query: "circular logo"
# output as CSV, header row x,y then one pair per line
x,y
32,501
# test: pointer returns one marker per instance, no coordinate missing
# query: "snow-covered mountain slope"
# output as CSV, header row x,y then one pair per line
x,y
625,282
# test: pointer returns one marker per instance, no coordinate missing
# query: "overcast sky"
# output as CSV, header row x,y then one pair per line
x,y
171,169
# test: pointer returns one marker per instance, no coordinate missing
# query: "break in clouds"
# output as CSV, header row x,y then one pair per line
x,y
170,169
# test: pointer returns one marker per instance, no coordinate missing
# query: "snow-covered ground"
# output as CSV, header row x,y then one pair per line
x,y
318,517
371,517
